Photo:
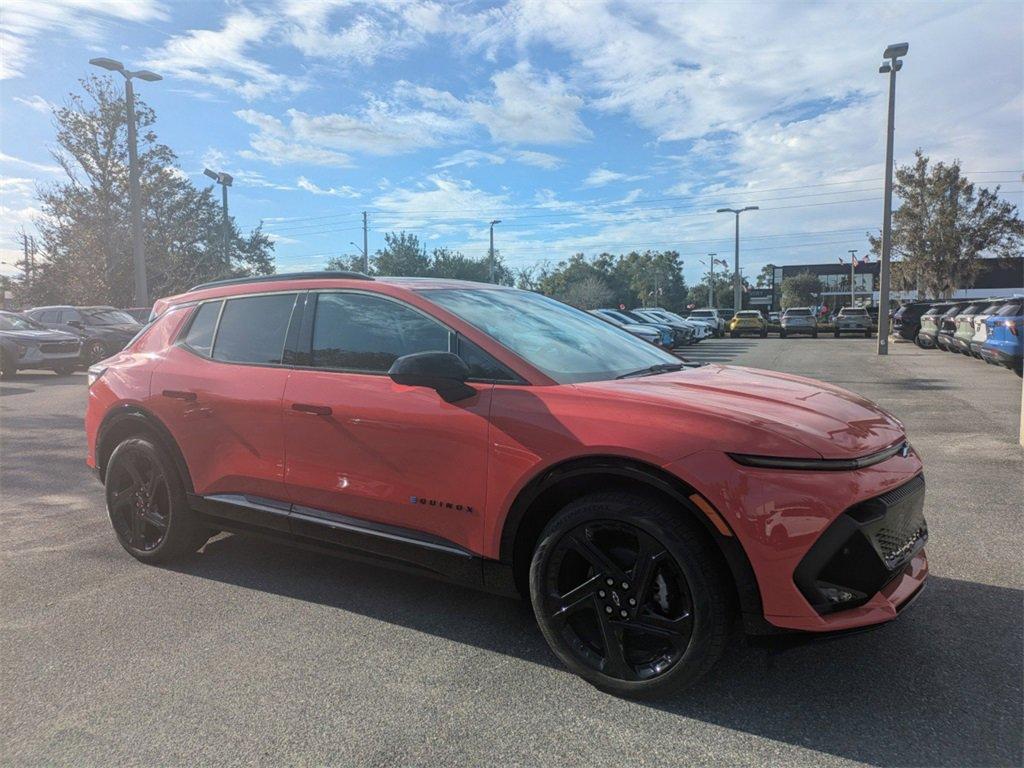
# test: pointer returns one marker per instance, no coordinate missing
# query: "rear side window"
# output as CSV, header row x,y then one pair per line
x,y
1010,310
200,333
366,334
253,329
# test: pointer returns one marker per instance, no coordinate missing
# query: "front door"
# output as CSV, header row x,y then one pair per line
x,y
361,446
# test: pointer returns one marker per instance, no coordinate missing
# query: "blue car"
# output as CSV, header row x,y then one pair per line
x,y
1004,343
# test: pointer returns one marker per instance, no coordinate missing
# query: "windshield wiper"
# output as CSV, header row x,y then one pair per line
x,y
652,370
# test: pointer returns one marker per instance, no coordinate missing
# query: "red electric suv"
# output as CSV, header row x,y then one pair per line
x,y
502,439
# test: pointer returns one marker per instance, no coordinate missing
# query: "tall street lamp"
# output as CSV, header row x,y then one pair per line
x,y
138,246
225,180
491,250
366,261
737,292
890,67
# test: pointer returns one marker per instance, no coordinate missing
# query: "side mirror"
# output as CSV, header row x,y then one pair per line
x,y
443,372
75,324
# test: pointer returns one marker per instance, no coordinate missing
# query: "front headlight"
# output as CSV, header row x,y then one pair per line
x,y
94,373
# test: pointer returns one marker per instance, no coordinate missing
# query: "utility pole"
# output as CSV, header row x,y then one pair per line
x,y
491,251
711,281
853,262
890,67
225,180
138,245
366,252
737,292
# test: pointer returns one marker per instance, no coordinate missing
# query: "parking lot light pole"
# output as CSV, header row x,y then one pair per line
x,y
889,67
737,291
711,283
138,245
491,250
225,180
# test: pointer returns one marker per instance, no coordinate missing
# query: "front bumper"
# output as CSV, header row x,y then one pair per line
x,y
36,357
779,516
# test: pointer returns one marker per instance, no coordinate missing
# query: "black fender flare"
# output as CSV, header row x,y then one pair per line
x,y
130,419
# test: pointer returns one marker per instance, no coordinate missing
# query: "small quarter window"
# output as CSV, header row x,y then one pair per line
x,y
200,333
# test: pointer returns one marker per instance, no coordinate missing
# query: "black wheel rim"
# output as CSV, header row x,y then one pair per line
x,y
139,500
96,352
619,600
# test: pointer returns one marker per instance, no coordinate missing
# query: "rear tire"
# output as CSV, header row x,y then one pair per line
x,y
733,335
667,578
147,506
64,370
814,335
782,334
835,334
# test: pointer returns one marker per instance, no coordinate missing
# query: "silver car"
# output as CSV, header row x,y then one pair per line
x,y
853,320
799,320
25,343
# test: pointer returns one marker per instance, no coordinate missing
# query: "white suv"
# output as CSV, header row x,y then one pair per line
x,y
799,320
711,315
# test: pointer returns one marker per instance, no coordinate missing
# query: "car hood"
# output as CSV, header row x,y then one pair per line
x,y
38,336
830,421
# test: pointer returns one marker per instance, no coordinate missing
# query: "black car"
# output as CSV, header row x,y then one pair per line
x,y
907,321
947,326
26,344
104,331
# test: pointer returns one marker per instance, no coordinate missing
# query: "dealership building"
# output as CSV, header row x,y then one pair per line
x,y
997,277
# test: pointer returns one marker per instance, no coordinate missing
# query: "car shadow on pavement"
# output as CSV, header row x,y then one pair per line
x,y
941,686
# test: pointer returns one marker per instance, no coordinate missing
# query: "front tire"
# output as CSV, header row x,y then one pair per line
x,y
782,334
147,506
7,366
64,370
664,618
814,335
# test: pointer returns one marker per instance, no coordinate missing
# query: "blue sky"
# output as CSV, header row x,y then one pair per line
x,y
583,126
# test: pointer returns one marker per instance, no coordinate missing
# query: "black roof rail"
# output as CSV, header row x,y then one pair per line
x,y
321,275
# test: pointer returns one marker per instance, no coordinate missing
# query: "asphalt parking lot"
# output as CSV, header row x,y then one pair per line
x,y
253,653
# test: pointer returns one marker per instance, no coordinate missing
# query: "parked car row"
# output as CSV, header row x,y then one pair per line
x,y
991,329
62,338
658,326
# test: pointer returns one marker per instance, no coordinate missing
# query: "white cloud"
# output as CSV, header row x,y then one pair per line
x,y
538,159
275,144
599,177
26,20
36,103
458,199
41,167
309,186
470,158
530,109
222,58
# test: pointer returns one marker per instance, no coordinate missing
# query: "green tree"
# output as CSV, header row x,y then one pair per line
x,y
85,231
402,255
800,290
651,278
944,225
592,292
764,277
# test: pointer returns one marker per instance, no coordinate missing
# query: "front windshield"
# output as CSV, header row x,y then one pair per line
x,y
1009,310
108,317
15,323
619,316
566,344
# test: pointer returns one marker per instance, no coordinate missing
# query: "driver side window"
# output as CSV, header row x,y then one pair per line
x,y
365,334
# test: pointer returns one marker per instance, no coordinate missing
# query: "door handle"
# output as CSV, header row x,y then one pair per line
x,y
317,410
178,394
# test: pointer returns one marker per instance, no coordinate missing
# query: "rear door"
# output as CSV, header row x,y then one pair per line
x,y
359,445
219,390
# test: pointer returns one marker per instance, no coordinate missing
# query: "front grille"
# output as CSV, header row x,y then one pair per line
x,y
52,347
864,549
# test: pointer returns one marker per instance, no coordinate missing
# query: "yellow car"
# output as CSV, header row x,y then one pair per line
x,y
748,321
